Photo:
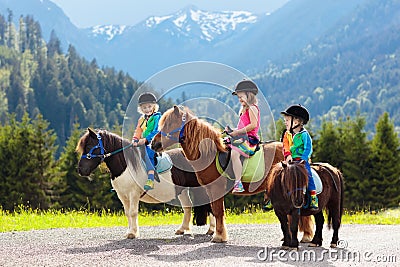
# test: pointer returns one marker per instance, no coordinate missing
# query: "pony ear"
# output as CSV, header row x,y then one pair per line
x,y
284,164
92,133
176,110
302,162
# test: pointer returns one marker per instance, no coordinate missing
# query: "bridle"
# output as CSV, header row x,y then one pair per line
x,y
180,129
102,155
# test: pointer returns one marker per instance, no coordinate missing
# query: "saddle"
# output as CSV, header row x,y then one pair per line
x,y
163,162
253,167
317,181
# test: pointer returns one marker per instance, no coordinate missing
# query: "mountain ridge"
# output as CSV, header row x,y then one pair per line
x,y
338,54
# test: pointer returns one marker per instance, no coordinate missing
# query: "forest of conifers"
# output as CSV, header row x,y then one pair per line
x,y
48,98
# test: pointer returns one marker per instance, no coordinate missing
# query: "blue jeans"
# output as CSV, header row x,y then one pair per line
x,y
149,159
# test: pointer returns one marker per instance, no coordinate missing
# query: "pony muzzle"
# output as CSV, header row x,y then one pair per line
x,y
157,146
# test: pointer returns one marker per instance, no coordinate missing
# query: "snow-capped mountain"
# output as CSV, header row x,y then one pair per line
x,y
190,22
205,25
107,32
246,41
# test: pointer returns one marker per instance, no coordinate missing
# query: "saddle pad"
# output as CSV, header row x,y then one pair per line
x,y
317,181
164,163
253,168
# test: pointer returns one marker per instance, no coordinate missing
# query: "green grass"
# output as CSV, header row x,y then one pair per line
x,y
25,219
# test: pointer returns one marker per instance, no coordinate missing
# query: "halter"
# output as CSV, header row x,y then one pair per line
x,y
102,154
294,191
180,129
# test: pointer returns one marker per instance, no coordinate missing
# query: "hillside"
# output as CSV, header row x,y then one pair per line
x,y
337,57
353,68
38,78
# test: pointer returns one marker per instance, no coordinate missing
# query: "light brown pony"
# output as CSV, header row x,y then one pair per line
x,y
200,141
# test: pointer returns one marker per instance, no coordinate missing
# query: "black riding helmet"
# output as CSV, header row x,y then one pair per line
x,y
147,98
245,86
297,111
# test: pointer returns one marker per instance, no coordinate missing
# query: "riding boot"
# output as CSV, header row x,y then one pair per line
x,y
150,182
314,200
268,205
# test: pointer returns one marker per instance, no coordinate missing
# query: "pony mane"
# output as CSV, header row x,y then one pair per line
x,y
287,176
293,173
273,175
196,132
112,142
80,146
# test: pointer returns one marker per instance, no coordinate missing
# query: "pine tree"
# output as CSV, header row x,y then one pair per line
x,y
3,29
27,155
385,180
67,163
5,186
356,152
54,45
43,151
327,147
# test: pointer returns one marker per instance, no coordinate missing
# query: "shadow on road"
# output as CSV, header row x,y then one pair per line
x,y
189,248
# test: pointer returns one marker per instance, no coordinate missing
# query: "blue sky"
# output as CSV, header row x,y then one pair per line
x,y
85,13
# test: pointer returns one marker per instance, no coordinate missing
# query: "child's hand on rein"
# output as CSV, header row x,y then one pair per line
x,y
138,142
141,142
234,133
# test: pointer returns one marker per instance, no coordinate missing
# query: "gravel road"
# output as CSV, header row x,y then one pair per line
x,y
249,245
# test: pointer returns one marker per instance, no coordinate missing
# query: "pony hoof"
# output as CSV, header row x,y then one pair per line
x,y
218,240
306,240
131,236
293,248
210,232
333,245
313,245
179,232
189,236
285,247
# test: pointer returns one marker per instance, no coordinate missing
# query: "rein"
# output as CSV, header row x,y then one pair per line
x,y
102,155
292,193
180,129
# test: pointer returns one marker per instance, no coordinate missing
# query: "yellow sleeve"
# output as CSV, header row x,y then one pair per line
x,y
287,143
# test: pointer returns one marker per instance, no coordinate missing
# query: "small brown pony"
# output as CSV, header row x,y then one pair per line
x,y
200,141
286,186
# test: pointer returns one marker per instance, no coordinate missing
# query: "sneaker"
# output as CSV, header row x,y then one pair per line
x,y
314,203
268,205
149,185
238,188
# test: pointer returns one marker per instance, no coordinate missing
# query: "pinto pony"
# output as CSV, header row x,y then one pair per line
x,y
118,154
286,186
201,142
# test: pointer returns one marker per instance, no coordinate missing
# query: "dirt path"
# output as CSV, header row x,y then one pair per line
x,y
249,245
